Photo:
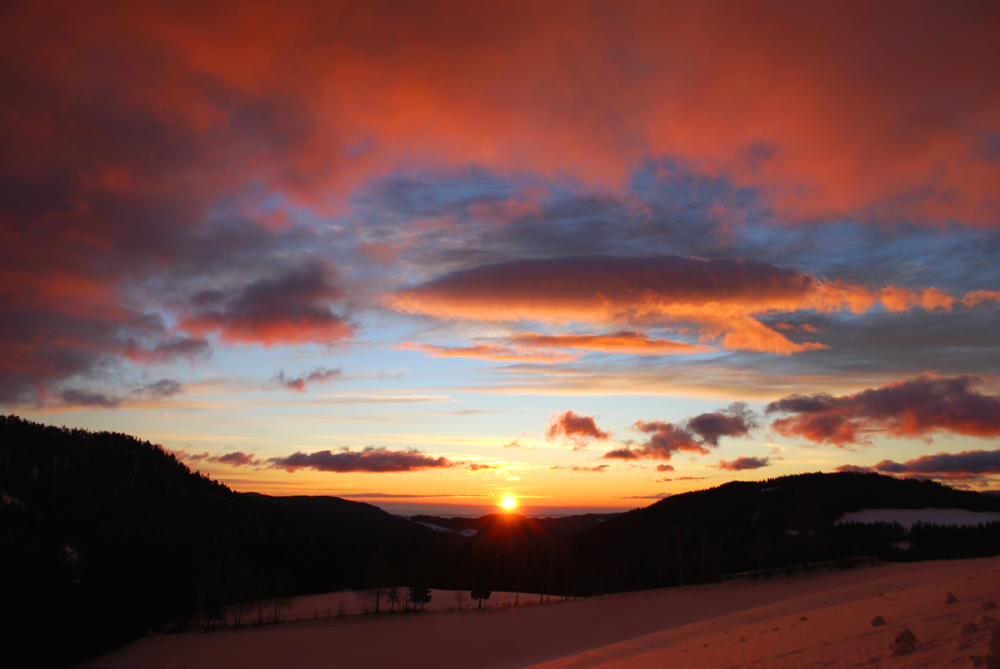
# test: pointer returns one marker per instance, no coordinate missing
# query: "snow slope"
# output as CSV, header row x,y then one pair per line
x,y
811,619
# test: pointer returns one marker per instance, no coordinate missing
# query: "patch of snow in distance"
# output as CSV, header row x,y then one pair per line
x,y
910,517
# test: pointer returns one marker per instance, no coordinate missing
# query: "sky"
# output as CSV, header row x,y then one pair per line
x,y
429,255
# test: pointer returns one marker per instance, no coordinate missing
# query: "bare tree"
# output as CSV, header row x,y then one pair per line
x,y
393,594
367,596
460,598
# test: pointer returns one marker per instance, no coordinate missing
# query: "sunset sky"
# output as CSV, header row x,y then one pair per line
x,y
429,254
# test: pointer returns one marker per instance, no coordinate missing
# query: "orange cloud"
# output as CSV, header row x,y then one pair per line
x,y
620,342
722,297
493,352
976,297
804,327
897,299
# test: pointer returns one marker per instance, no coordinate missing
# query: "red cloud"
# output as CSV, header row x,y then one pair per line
x,y
741,463
117,170
916,408
369,459
722,297
579,429
818,106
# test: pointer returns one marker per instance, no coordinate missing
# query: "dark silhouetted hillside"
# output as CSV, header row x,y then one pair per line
x,y
741,526
104,536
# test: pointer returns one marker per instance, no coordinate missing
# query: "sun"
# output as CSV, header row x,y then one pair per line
x,y
508,502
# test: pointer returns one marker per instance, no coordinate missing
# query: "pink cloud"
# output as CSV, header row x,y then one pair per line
x,y
917,408
579,429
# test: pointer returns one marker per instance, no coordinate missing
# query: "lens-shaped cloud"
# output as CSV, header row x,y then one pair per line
x,y
722,298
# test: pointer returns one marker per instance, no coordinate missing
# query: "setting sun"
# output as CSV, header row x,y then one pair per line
x,y
508,502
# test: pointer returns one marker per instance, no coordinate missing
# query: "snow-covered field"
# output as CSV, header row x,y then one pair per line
x,y
334,604
822,618
909,517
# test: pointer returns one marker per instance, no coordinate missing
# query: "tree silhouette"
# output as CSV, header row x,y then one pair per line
x,y
420,595
368,596
481,593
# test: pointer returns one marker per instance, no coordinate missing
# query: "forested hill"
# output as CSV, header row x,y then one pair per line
x,y
764,525
807,500
103,536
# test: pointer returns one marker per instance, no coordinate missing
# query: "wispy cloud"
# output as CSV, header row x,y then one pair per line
x,y
574,468
495,352
659,495
299,383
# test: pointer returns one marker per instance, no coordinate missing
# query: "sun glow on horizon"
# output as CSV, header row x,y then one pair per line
x,y
508,502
